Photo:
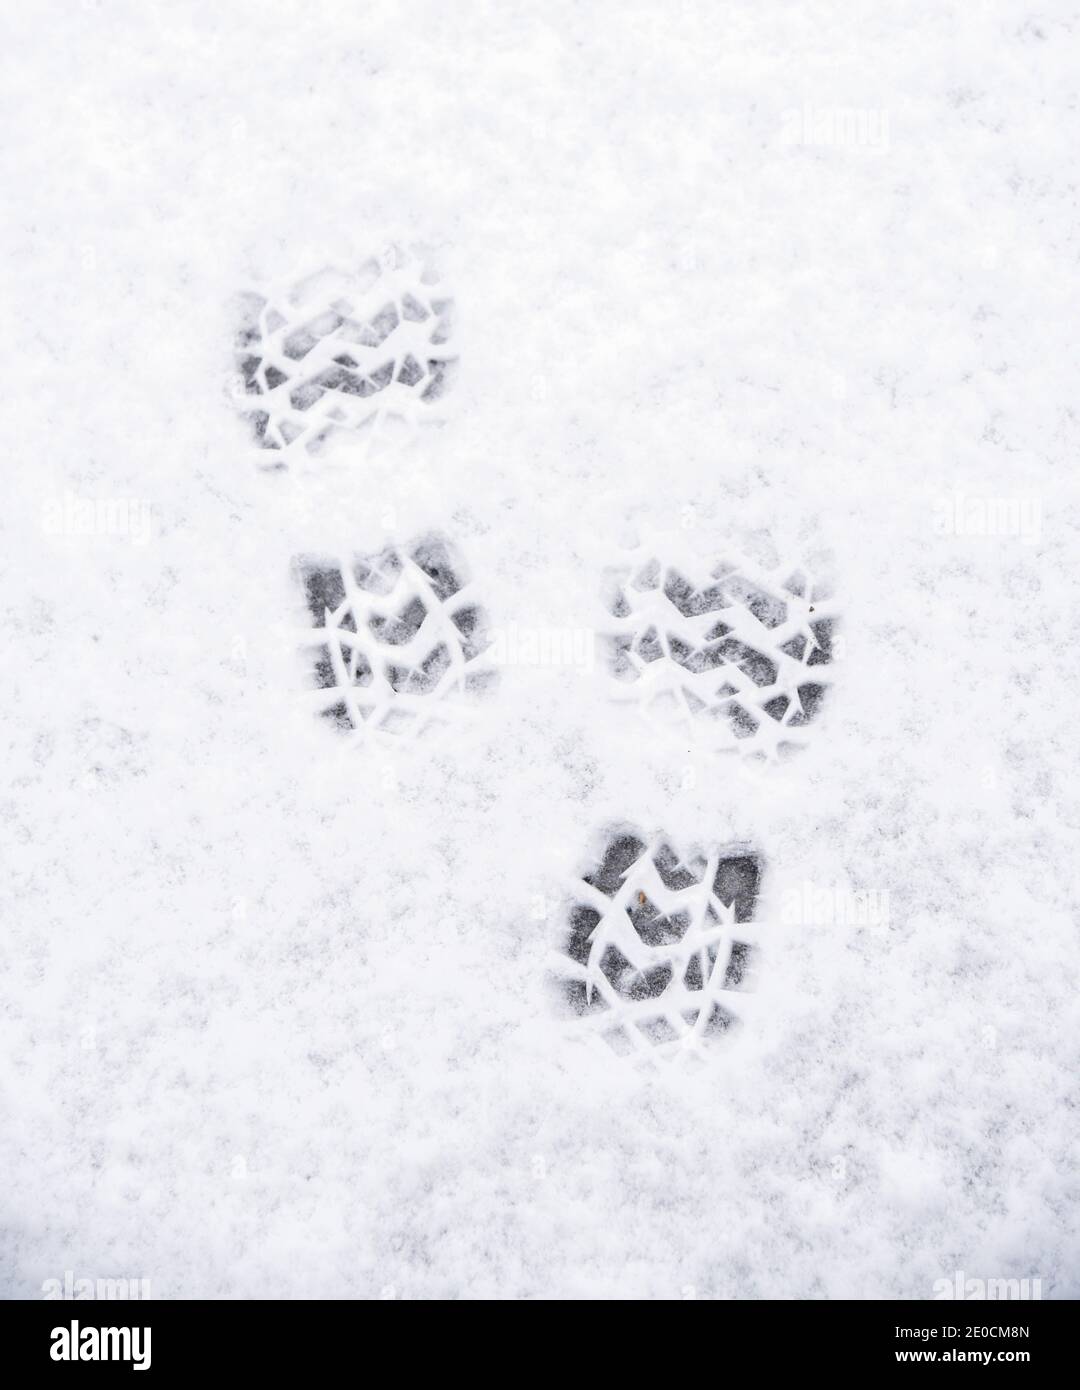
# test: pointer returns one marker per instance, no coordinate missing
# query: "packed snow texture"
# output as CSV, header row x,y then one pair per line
x,y
756,279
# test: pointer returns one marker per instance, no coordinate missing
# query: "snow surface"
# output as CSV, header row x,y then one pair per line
x,y
275,1005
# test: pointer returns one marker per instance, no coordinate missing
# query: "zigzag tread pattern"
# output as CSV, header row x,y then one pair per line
x,y
355,352
660,947
741,654
397,639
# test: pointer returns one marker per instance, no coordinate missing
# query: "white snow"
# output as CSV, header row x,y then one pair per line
x,y
274,1005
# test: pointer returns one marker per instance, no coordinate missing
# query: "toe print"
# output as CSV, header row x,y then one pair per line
x,y
659,946
365,353
397,639
739,655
